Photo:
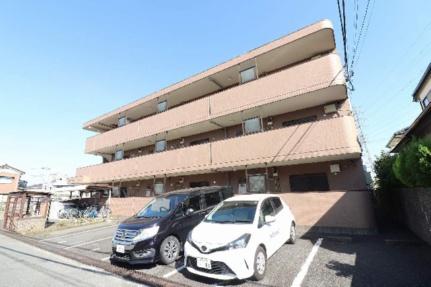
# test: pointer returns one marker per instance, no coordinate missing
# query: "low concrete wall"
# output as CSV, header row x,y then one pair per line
x,y
338,210
127,206
417,211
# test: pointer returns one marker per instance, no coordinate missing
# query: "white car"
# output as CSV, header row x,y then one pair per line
x,y
236,239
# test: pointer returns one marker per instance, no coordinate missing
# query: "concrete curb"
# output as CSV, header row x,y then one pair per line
x,y
131,275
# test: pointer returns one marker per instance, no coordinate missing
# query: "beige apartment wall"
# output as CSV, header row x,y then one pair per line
x,y
311,76
9,187
346,205
326,42
351,176
339,209
333,138
236,130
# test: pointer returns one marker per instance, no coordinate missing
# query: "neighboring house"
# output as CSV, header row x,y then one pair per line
x,y
421,126
9,178
276,119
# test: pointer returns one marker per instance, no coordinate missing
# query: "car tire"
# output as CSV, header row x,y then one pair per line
x,y
169,250
292,234
259,264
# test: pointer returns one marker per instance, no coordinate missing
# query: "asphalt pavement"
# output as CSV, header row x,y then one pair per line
x,y
25,265
312,261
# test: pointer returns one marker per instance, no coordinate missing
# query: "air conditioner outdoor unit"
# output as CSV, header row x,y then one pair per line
x,y
332,108
334,168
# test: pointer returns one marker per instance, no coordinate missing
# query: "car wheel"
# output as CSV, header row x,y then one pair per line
x,y
169,249
292,234
259,264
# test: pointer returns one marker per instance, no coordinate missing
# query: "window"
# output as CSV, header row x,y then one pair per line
x,y
248,75
256,183
119,154
122,121
299,121
161,206
159,188
235,212
252,125
266,209
309,182
212,198
123,192
194,203
276,203
425,102
162,106
201,141
6,179
160,146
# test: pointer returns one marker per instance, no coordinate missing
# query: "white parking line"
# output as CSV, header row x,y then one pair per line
x,y
173,272
87,242
304,268
75,233
106,258
95,249
62,241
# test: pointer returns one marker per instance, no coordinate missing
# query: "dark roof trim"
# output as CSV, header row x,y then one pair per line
x,y
11,167
421,82
426,111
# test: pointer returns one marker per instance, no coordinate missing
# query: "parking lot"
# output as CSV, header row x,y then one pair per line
x,y
313,261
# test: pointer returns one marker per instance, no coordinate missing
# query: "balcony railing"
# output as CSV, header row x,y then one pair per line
x,y
329,139
311,76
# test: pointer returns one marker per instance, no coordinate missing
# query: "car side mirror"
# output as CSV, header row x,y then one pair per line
x,y
189,211
269,219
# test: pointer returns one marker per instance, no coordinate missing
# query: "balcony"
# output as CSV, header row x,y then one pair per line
x,y
318,81
325,140
315,39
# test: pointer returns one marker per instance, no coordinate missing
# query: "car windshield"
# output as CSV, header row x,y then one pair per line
x,y
233,212
161,206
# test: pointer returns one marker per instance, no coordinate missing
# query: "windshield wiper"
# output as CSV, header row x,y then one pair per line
x,y
242,221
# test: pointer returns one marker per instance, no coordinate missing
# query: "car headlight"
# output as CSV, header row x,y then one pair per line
x,y
241,242
146,233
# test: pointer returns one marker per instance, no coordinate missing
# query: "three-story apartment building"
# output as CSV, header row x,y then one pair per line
x,y
275,119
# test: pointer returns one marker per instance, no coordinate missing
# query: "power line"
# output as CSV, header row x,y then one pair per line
x,y
358,41
342,16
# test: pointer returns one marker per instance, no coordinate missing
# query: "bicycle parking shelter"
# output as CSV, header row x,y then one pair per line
x,y
26,211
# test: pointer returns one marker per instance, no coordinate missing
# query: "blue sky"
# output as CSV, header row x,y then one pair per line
x,y
65,62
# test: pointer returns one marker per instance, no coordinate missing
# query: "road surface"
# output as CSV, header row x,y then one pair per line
x,y
26,265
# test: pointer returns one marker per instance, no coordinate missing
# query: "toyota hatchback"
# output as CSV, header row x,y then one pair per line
x,y
236,239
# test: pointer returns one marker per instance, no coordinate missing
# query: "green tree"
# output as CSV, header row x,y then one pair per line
x,y
386,183
413,164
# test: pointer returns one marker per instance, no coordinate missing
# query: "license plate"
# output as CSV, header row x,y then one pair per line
x,y
203,263
120,249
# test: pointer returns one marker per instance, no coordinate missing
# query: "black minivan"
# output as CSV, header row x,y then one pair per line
x,y
159,230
